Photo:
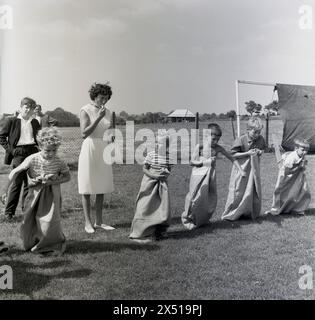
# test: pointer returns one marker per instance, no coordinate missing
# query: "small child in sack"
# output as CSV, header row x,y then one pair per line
x,y
152,212
292,193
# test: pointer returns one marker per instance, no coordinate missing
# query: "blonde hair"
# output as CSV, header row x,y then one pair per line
x,y
254,123
301,143
49,136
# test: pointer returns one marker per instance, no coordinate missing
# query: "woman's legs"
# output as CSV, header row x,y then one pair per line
x,y
98,216
86,202
98,209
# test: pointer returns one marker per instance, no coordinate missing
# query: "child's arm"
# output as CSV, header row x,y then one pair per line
x,y
150,174
195,162
291,170
260,152
233,160
246,154
63,178
13,174
238,147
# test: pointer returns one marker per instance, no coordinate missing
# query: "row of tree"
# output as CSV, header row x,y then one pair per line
x,y
254,108
68,119
64,118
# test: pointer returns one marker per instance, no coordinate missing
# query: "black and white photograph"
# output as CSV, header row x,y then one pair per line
x,y
157,150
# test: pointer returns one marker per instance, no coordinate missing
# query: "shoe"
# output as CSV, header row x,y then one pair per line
x,y
273,212
89,229
104,227
142,241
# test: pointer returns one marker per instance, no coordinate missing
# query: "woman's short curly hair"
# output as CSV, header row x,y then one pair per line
x,y
49,136
99,88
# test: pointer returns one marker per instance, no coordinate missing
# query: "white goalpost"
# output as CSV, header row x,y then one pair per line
x,y
237,83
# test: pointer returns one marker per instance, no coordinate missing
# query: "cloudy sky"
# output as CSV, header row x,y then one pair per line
x,y
158,55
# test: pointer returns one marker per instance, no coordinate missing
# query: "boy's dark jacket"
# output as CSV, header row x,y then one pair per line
x,y
10,132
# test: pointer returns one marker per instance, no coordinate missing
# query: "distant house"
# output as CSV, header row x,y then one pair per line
x,y
181,115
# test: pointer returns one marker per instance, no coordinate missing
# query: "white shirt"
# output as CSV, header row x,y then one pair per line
x,y
26,136
291,159
39,119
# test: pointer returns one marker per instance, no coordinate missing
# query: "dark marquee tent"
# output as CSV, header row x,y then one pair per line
x,y
297,110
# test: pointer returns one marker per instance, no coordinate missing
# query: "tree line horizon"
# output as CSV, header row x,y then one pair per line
x,y
68,119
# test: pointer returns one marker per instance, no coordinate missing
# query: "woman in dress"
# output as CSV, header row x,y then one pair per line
x,y
95,177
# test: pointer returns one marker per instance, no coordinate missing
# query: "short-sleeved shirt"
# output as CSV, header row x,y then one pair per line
x,y
244,144
38,166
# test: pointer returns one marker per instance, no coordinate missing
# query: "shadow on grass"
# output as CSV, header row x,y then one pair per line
x,y
122,225
83,247
215,225
29,278
226,225
287,216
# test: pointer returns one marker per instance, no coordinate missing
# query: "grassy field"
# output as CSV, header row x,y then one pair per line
x,y
239,260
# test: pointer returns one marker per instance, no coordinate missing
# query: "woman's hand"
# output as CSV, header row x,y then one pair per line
x,y
101,113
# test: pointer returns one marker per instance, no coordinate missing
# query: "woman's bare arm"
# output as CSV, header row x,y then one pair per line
x,y
87,127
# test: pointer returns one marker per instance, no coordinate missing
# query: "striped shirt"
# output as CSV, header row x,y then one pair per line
x,y
39,166
157,161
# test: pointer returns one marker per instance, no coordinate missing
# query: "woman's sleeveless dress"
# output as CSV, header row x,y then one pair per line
x,y
94,175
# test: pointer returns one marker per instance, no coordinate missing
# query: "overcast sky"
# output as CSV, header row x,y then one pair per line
x,y
158,55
